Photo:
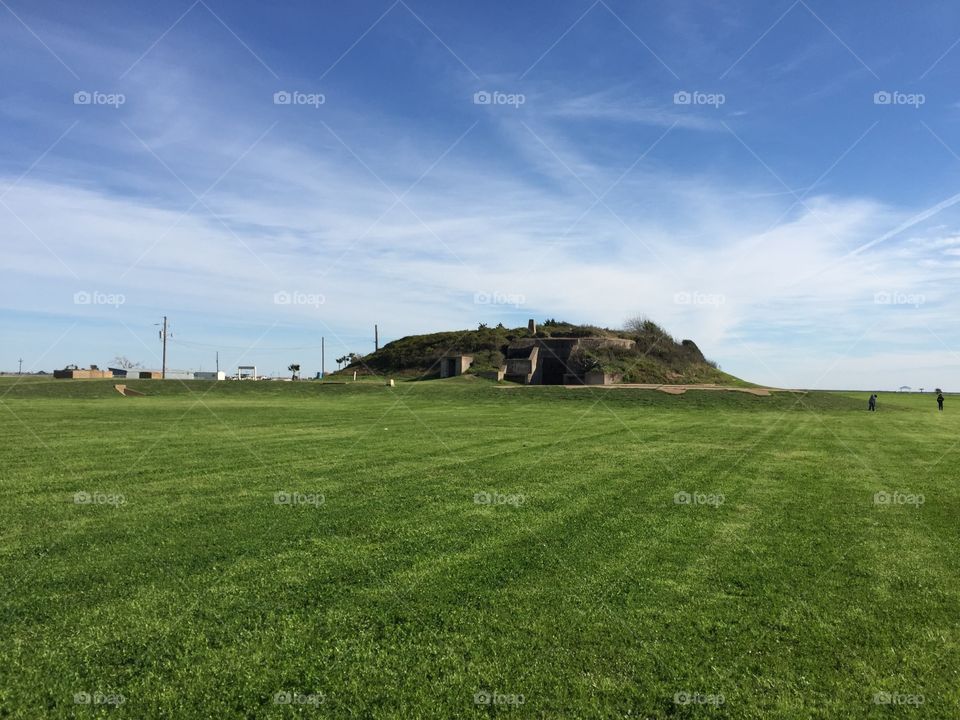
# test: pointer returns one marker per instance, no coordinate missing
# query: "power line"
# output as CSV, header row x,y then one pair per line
x,y
258,348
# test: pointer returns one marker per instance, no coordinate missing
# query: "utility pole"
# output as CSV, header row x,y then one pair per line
x,y
163,336
323,357
376,338
20,369
218,363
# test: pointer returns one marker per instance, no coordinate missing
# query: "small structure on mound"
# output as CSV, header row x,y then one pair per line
x,y
454,364
127,392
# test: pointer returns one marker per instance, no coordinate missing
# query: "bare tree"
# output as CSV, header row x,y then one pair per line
x,y
125,363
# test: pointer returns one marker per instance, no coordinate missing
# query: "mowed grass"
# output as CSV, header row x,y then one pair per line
x,y
584,590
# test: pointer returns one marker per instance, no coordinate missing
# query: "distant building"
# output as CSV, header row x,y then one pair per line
x,y
247,372
125,372
91,373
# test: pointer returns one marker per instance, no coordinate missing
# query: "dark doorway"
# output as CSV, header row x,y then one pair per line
x,y
553,370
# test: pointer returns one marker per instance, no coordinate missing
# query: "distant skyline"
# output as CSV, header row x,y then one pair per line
x,y
779,182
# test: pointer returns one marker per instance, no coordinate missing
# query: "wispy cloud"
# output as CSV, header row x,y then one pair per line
x,y
615,107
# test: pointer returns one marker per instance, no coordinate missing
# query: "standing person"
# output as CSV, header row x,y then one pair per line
x,y
940,401
873,403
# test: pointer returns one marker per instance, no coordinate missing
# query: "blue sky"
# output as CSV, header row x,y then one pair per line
x,y
779,181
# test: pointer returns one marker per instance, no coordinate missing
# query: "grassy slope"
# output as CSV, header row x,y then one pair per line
x,y
401,597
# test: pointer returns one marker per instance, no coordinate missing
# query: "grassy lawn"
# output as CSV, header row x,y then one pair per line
x,y
452,549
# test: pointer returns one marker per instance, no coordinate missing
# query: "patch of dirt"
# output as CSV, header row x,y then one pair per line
x,y
681,389
673,389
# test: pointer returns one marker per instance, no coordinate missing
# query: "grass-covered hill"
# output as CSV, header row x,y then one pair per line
x,y
656,358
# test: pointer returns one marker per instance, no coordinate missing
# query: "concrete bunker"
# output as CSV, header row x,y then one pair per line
x,y
454,364
542,361
546,361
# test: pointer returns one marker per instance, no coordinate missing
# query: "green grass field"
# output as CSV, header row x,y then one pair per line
x,y
453,549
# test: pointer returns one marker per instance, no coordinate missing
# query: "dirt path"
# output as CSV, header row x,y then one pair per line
x,y
681,389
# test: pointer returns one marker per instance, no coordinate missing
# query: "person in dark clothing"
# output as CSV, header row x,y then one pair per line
x,y
873,403
940,401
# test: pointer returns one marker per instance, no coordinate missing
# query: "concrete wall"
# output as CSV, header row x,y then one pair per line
x,y
497,375
592,342
596,377
522,366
